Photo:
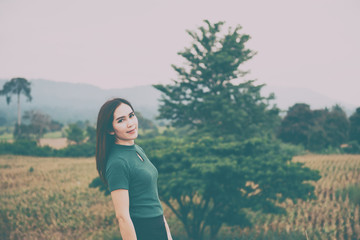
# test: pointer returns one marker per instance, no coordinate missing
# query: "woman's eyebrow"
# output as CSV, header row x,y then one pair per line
x,y
122,117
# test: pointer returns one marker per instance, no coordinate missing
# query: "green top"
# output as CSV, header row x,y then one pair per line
x,y
126,170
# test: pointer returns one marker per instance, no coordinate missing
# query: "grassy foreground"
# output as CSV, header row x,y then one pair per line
x,y
49,198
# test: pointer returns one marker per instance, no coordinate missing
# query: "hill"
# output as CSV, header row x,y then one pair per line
x,y
69,102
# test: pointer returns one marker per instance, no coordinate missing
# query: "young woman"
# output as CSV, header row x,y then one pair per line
x,y
128,173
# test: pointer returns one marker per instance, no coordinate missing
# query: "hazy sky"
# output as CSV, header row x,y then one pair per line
x,y
313,44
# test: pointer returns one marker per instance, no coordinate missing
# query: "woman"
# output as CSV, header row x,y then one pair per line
x,y
130,176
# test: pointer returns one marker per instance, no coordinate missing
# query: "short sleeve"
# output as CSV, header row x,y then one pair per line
x,y
118,175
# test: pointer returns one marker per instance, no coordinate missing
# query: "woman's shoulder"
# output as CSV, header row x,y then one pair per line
x,y
117,162
119,157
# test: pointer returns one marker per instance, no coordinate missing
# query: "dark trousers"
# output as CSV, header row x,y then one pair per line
x,y
150,228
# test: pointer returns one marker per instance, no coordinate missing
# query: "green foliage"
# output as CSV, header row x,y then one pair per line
x,y
23,132
30,148
337,126
355,126
209,182
206,97
55,126
145,123
17,86
291,149
75,133
78,150
37,125
316,130
25,147
31,169
98,183
232,161
352,147
3,120
91,134
296,125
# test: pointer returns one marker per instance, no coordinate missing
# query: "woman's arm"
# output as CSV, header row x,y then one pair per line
x,y
120,199
167,230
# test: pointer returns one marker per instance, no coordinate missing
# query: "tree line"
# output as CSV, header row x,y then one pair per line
x,y
321,129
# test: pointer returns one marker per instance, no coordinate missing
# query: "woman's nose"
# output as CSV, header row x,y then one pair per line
x,y
130,123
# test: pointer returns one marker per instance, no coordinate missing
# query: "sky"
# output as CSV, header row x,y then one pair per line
x,y
120,44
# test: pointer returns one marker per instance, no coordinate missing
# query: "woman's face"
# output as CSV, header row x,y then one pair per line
x,y
125,125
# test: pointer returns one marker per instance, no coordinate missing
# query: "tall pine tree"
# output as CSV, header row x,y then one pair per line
x,y
228,164
209,94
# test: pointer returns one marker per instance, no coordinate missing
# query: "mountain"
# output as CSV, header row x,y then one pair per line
x,y
69,102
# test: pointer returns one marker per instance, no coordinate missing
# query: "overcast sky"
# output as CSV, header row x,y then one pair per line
x,y
312,44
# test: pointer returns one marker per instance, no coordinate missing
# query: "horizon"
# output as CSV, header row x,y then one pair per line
x,y
283,95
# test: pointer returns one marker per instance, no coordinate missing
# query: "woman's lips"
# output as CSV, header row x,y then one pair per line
x,y
132,131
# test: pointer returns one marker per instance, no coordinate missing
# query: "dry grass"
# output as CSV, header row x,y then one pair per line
x,y
49,198
53,200
330,216
56,143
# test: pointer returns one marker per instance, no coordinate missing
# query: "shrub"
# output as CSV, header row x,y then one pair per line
x,y
79,150
352,147
30,148
98,183
25,147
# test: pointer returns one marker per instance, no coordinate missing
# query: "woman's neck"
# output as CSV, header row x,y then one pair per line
x,y
124,142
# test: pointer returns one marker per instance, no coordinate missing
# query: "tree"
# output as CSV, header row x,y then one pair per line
x,y
336,126
297,124
55,126
207,97
314,129
355,126
231,161
210,182
39,123
144,123
91,134
17,86
75,133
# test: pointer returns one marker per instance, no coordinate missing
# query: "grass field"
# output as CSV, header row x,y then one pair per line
x,y
333,215
49,198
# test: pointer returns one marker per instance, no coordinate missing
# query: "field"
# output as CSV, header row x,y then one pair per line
x,y
49,198
333,215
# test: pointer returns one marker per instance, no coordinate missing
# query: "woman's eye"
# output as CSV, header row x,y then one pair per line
x,y
132,114
120,121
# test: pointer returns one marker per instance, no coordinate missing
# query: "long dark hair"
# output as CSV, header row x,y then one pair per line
x,y
104,140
